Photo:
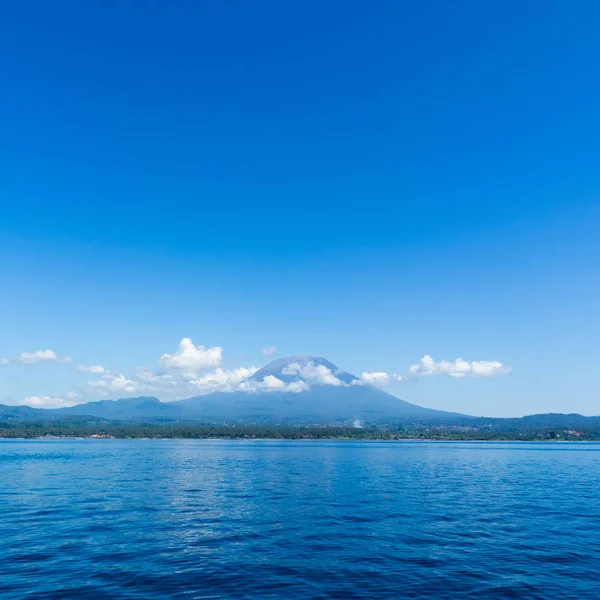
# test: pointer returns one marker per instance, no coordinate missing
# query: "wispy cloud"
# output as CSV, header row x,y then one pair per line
x,y
99,369
458,368
28,358
381,378
115,383
269,350
47,402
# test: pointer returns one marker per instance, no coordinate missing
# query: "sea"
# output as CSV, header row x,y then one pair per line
x,y
151,519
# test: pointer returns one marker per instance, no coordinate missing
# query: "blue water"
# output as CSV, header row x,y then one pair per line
x,y
269,519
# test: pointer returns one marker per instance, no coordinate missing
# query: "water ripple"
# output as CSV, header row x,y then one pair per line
x,y
205,519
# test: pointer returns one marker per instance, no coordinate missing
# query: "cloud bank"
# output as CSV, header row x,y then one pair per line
x,y
194,370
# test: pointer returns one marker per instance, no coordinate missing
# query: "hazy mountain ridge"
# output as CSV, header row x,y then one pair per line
x,y
328,395
344,400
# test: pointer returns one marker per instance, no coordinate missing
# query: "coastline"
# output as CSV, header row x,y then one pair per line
x,y
284,439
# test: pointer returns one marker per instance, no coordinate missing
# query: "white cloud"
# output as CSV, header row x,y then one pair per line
x,y
175,386
297,386
223,381
238,380
381,378
459,368
184,374
115,383
270,382
181,376
273,384
99,369
42,356
319,374
190,359
120,382
27,358
46,402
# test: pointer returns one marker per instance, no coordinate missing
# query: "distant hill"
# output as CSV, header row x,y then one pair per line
x,y
126,408
546,421
19,412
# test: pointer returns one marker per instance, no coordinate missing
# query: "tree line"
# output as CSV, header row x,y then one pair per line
x,y
86,429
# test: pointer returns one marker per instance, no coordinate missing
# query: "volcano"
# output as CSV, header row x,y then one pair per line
x,y
329,395
292,390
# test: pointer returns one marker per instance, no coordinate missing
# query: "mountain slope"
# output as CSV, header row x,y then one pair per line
x,y
125,408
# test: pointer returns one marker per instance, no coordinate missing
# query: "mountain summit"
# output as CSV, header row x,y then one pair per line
x,y
303,368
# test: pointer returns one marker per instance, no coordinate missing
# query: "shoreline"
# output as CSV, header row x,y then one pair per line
x,y
282,439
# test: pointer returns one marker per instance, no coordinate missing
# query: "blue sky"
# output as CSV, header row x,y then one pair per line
x,y
367,182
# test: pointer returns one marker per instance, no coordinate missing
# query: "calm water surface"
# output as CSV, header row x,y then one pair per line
x,y
213,519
